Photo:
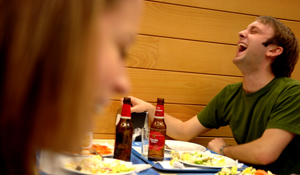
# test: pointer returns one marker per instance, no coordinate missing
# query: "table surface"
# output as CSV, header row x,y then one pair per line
x,y
111,142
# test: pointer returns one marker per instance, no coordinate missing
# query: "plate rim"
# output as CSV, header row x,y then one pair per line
x,y
192,143
64,160
204,166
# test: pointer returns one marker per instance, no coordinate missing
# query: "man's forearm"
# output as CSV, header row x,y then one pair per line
x,y
262,151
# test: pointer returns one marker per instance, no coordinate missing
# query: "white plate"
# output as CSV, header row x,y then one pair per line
x,y
78,159
184,146
228,162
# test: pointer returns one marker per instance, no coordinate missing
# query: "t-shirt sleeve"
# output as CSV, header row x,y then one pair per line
x,y
286,113
211,115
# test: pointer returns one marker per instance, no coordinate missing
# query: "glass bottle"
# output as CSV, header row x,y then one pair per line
x,y
157,133
124,130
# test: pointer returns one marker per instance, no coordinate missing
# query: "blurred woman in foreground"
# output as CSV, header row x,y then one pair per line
x,y
60,60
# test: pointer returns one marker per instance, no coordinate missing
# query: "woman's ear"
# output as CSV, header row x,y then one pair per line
x,y
274,51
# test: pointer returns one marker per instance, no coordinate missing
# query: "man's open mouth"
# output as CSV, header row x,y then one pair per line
x,y
242,47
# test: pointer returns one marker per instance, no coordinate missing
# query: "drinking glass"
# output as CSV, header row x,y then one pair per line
x,y
145,141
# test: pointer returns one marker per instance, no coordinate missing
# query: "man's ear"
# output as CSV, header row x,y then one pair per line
x,y
274,51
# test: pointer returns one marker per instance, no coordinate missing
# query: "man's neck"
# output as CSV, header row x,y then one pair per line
x,y
253,83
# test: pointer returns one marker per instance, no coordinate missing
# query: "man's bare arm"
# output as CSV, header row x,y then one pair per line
x,y
262,151
176,128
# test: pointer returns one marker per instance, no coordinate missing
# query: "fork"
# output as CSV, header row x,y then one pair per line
x,y
94,151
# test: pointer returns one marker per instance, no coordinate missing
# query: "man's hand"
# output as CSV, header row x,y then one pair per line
x,y
216,144
139,105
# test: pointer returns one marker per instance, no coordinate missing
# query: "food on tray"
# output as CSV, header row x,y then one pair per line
x,y
247,171
95,164
250,170
228,171
201,158
101,149
198,158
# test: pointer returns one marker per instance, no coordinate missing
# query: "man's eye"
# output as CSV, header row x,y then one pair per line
x,y
254,31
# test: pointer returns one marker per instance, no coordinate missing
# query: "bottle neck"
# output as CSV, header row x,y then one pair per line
x,y
159,112
126,112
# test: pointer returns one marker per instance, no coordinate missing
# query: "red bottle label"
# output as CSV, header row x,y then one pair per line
x,y
159,111
156,141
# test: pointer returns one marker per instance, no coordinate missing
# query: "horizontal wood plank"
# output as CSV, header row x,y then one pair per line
x,y
192,23
276,8
103,136
296,73
177,87
182,55
188,56
197,24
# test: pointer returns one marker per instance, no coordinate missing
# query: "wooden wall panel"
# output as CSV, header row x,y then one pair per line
x,y
197,24
183,55
177,87
154,52
276,8
191,23
296,72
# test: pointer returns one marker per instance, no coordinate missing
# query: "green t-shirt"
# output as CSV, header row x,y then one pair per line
x,y
277,105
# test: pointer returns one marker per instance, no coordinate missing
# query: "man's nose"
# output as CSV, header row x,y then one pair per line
x,y
242,34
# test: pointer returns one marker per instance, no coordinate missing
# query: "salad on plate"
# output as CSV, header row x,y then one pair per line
x,y
202,159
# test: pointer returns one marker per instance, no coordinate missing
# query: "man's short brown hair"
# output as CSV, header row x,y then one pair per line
x,y
284,64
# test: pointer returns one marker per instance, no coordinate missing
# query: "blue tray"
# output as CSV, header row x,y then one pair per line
x,y
159,167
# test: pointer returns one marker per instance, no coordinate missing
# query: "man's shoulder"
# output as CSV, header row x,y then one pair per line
x,y
234,86
287,82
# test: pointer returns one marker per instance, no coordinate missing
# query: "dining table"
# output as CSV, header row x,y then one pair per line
x,y
147,167
156,168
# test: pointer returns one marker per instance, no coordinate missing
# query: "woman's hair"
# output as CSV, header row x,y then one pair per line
x,y
46,77
284,64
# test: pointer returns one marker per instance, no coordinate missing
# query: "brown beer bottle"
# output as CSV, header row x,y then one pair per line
x,y
124,130
157,133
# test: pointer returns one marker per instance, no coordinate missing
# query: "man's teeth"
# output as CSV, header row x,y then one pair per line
x,y
242,46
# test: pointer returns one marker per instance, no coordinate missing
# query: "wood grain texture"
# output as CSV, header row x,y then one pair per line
x,y
177,87
192,23
171,54
276,8
182,55
170,20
